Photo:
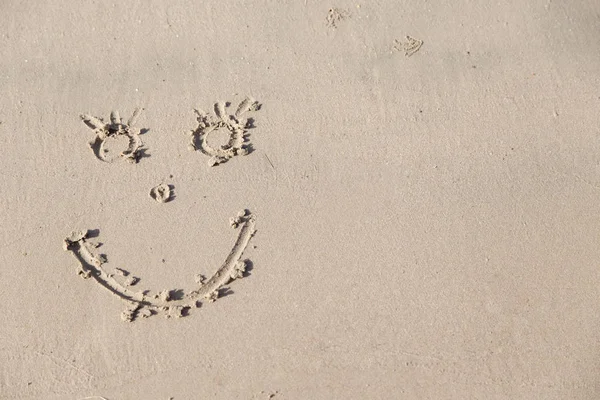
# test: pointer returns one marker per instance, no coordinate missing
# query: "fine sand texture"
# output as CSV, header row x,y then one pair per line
x,y
292,200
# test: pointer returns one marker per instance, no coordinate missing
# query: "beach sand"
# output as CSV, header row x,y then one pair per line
x,y
420,200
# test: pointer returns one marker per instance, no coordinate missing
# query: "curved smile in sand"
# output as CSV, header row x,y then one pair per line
x,y
139,302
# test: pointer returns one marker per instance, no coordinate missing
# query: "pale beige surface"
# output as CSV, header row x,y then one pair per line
x,y
429,228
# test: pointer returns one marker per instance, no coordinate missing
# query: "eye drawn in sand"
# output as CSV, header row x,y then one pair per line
x,y
409,47
336,15
162,193
171,303
111,134
234,125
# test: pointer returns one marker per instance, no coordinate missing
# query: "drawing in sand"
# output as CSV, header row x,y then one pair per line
x,y
141,303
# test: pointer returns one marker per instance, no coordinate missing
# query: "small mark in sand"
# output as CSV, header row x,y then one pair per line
x,y
269,395
269,160
336,15
409,47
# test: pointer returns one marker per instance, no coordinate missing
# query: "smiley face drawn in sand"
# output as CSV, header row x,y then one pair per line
x,y
170,303
110,134
234,124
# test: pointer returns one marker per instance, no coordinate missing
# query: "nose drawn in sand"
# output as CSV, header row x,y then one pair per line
x,y
171,303
234,124
110,134
162,193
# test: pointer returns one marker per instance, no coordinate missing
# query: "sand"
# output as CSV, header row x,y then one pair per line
x,y
419,184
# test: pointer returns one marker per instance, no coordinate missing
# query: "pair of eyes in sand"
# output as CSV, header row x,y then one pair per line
x,y
236,126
